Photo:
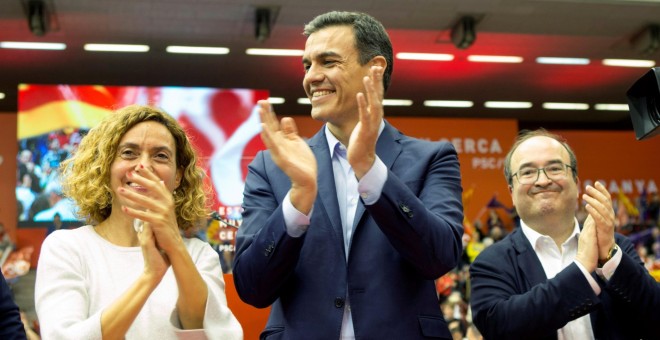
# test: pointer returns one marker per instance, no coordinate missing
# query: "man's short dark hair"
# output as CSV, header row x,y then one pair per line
x,y
371,38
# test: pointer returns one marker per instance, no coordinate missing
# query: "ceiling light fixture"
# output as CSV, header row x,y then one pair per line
x,y
611,107
32,45
116,48
565,106
628,62
425,56
448,103
494,59
2,95
197,50
397,102
276,52
276,100
562,61
507,105
386,102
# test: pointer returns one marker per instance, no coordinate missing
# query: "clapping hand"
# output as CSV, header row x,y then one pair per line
x,y
292,155
361,152
601,214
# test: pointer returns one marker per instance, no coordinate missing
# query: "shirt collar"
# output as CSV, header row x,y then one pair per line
x,y
333,141
533,236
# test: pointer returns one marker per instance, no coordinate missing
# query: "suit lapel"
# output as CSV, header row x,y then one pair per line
x,y
388,147
528,263
327,192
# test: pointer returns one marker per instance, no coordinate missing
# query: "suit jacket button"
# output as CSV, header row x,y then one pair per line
x,y
406,210
339,302
268,250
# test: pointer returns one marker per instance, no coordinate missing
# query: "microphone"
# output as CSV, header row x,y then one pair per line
x,y
215,216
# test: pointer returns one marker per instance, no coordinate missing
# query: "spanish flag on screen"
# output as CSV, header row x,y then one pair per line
x,y
45,108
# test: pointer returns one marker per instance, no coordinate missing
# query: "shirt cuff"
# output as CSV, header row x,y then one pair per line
x,y
188,334
371,184
610,266
592,282
296,222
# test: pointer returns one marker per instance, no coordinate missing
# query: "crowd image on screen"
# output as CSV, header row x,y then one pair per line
x,y
38,190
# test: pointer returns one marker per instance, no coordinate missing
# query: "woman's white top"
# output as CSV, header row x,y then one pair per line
x,y
80,273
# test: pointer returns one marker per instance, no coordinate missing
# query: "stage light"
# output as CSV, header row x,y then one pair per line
x,y
647,40
644,102
262,24
37,17
463,32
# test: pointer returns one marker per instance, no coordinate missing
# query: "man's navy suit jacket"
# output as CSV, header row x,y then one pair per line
x,y
512,298
408,238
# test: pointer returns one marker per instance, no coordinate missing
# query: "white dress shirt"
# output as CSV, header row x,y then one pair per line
x,y
554,260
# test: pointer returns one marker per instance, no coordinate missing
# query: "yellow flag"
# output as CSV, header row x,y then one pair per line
x,y
631,209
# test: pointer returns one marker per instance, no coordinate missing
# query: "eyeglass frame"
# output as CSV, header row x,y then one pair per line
x,y
538,172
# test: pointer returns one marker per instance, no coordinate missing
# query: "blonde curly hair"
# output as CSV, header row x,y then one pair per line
x,y
86,175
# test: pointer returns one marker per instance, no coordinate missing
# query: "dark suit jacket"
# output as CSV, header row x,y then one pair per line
x,y
408,238
11,326
511,297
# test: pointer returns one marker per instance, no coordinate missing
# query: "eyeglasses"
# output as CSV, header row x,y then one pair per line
x,y
529,175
